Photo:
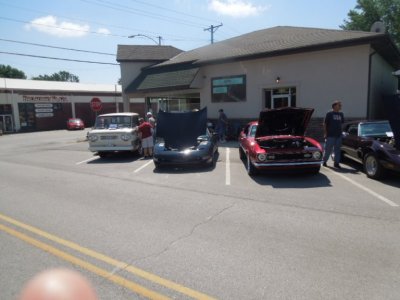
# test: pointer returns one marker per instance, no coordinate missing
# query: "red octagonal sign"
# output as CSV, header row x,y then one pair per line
x,y
95,104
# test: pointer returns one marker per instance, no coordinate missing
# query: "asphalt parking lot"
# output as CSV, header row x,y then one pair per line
x,y
198,233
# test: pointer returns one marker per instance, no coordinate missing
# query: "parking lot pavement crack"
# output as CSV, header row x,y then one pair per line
x,y
185,236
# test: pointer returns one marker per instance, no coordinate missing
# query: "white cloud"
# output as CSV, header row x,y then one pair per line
x,y
235,8
52,26
103,31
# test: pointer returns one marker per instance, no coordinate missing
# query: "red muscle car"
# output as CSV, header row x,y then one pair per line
x,y
277,142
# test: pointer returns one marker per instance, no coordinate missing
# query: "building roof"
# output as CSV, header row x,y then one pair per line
x,y
282,40
146,53
56,86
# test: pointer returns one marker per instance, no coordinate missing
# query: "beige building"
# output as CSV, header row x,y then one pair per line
x,y
30,105
270,68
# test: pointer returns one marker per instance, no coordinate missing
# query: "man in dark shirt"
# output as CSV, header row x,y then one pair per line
x,y
333,133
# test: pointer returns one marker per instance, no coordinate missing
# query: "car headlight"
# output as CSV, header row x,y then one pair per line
x,y
317,155
126,137
261,156
93,137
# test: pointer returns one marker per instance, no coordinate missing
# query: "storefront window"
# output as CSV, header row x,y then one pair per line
x,y
228,89
27,116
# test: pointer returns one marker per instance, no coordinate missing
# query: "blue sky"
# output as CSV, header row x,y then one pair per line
x,y
101,25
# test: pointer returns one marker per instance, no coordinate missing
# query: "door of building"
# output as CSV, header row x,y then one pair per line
x,y
6,123
282,97
280,101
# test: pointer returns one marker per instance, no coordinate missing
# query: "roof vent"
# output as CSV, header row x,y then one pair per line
x,y
378,27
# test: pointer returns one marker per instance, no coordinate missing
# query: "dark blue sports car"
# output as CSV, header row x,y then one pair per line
x,y
184,139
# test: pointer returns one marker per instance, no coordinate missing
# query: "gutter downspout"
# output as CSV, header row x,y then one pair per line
x,y
368,112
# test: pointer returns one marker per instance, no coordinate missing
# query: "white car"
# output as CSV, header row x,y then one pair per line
x,y
115,132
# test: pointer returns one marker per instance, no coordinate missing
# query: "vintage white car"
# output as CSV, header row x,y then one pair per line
x,y
115,132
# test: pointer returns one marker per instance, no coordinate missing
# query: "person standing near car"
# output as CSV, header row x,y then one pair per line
x,y
146,134
333,133
152,122
221,125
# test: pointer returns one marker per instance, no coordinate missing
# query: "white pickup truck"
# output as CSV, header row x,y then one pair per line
x,y
115,132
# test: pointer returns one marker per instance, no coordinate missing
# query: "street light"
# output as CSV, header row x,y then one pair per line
x,y
159,38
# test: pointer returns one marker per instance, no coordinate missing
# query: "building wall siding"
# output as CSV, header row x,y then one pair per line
x,y
319,77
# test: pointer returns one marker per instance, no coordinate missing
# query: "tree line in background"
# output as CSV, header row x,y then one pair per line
x,y
362,17
367,12
10,72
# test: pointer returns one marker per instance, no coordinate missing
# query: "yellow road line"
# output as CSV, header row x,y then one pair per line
x,y
146,275
85,265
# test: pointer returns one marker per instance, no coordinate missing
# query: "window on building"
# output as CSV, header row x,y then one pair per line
x,y
228,89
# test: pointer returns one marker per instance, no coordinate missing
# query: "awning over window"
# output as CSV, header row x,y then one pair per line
x,y
156,80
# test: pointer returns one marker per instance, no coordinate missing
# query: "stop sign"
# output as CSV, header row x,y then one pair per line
x,y
95,104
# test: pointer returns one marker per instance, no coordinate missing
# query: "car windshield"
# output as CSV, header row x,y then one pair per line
x,y
253,130
74,120
375,129
113,122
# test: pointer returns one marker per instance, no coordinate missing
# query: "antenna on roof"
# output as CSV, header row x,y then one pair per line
x,y
378,27
213,29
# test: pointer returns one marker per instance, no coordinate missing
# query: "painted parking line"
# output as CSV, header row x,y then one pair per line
x,y
137,288
87,160
144,166
369,191
228,168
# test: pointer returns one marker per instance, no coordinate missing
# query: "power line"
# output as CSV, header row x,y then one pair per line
x,y
172,10
127,9
68,29
172,36
58,58
56,47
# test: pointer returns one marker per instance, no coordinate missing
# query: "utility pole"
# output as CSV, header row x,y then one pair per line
x,y
213,29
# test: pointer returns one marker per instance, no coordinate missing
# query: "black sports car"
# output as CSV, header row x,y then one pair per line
x,y
372,144
375,144
184,139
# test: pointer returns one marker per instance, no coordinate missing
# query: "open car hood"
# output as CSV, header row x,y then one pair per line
x,y
392,104
283,121
181,129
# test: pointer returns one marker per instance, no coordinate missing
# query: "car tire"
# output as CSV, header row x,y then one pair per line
x,y
251,170
372,167
139,150
315,170
242,155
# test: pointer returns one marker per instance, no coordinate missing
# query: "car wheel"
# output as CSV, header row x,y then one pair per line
x,y
373,167
251,170
315,170
242,155
139,150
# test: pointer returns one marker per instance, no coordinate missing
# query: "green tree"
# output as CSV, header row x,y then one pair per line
x,y
367,12
60,76
10,72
